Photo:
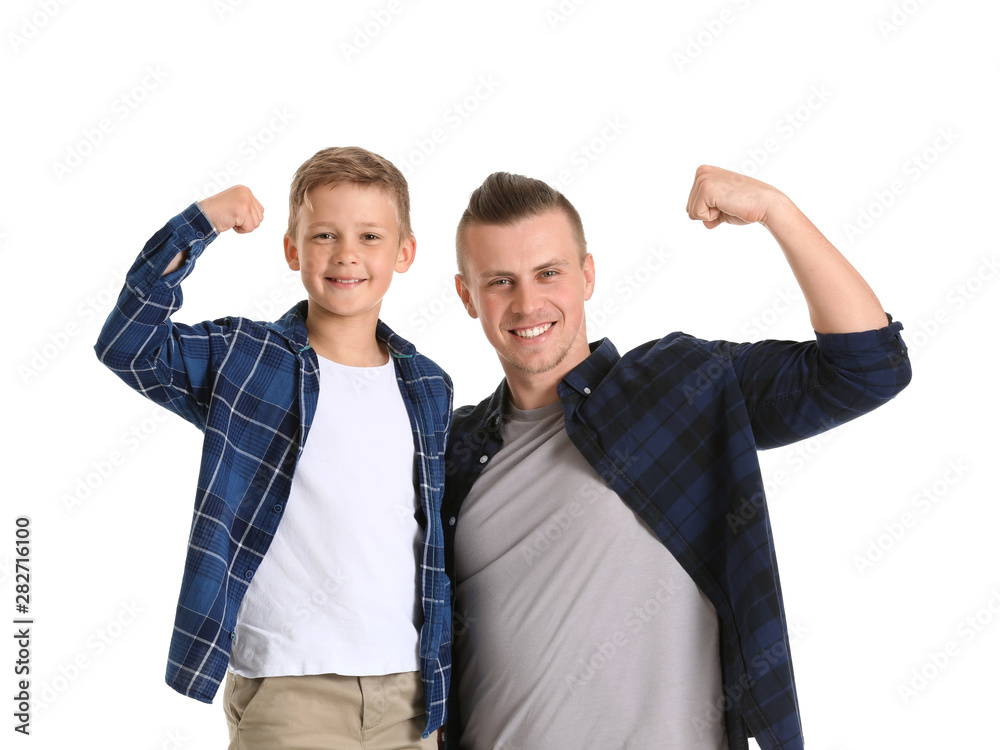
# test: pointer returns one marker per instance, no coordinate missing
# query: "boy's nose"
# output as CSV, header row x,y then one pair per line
x,y
344,253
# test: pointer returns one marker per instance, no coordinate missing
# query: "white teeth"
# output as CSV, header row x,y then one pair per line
x,y
347,281
530,333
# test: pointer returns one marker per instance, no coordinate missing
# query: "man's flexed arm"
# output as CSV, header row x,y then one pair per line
x,y
838,298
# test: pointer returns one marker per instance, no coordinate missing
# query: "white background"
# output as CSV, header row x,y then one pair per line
x,y
831,103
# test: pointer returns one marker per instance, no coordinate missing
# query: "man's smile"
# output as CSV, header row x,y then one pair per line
x,y
534,331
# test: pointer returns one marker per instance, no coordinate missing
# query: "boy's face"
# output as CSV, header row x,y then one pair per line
x,y
347,247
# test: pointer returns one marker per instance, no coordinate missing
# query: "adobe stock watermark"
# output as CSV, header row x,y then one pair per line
x,y
93,307
223,8
370,29
431,310
320,598
956,299
754,328
549,533
561,12
452,120
248,149
758,324
31,25
914,168
120,109
785,127
635,620
732,694
899,15
95,645
100,470
626,287
967,630
921,504
706,35
171,739
797,458
584,155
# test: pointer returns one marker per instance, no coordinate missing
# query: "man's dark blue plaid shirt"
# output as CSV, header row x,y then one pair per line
x,y
673,427
252,388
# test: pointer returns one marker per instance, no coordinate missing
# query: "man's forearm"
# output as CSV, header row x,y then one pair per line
x,y
839,300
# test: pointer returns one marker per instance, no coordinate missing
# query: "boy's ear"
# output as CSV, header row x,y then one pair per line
x,y
465,296
407,252
291,254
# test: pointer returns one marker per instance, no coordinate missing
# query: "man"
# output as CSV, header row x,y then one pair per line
x,y
611,554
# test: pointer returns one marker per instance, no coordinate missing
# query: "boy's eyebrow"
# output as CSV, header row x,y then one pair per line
x,y
553,263
362,223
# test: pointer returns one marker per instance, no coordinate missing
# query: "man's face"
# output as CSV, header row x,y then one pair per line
x,y
527,286
347,247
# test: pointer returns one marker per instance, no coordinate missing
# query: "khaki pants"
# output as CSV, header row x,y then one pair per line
x,y
326,711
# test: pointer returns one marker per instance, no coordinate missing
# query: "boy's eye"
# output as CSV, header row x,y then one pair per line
x,y
369,236
323,236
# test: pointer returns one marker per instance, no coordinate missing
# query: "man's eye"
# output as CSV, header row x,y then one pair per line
x,y
548,274
499,282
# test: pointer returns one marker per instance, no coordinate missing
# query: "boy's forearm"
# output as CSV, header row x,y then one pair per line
x,y
176,263
839,299
148,298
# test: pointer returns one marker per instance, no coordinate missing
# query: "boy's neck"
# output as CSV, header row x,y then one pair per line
x,y
348,341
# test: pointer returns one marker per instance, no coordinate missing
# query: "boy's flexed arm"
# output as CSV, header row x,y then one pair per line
x,y
235,208
858,361
168,362
839,300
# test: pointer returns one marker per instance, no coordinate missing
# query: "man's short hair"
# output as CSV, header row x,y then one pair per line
x,y
350,164
505,199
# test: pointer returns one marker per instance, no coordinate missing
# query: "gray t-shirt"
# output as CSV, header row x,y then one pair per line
x,y
576,628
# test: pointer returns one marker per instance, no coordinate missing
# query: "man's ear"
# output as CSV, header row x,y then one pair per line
x,y
465,296
588,276
407,252
291,254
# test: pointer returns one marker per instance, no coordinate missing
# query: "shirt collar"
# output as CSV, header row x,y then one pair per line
x,y
292,327
586,375
582,378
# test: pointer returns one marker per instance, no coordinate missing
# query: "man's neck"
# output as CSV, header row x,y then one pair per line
x,y
535,390
347,341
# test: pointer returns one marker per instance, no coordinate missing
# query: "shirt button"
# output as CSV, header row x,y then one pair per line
x,y
199,235
232,636
248,574
277,509
451,521
587,391
483,459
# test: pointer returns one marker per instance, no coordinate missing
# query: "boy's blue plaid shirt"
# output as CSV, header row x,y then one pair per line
x,y
252,389
673,427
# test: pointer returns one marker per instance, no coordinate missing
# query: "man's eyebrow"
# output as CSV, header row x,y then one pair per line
x,y
553,263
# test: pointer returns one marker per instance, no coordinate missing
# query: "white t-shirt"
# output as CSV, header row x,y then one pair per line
x,y
337,590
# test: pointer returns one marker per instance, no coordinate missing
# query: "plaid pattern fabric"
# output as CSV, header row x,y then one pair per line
x,y
252,389
673,427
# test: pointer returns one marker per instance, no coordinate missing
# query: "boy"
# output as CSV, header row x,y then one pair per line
x,y
321,476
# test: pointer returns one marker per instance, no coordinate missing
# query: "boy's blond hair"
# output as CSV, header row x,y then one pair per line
x,y
504,199
351,164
